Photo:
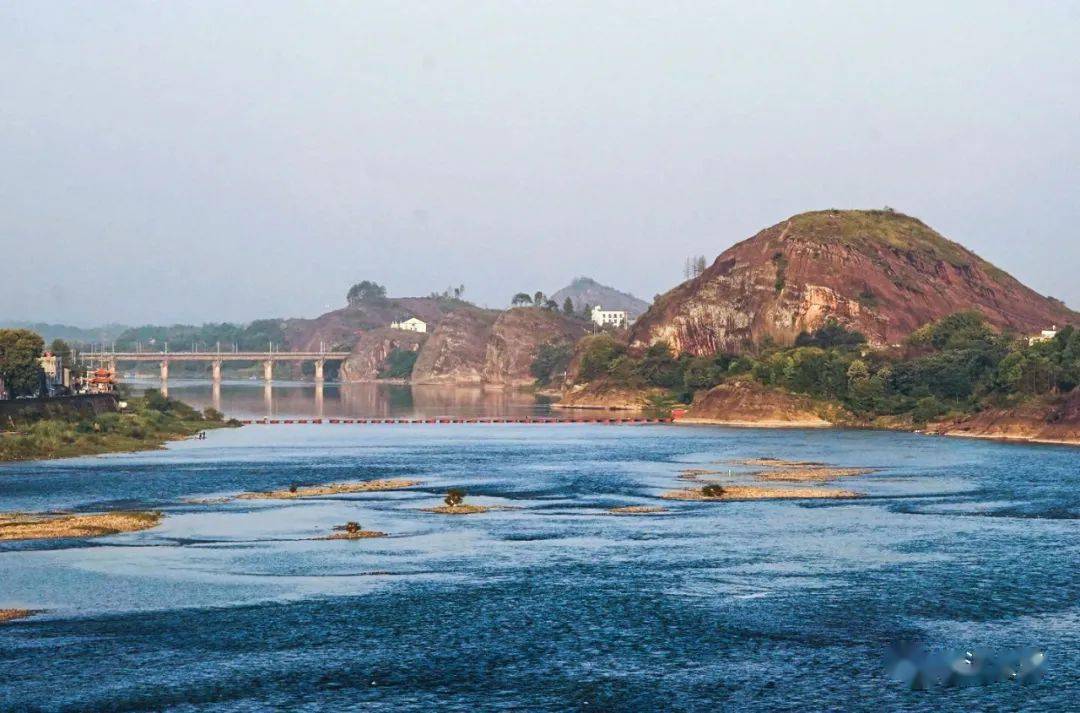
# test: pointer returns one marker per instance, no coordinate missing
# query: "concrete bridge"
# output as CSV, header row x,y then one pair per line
x,y
110,360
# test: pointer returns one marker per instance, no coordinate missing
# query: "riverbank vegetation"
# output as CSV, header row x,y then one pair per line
x,y
147,423
953,367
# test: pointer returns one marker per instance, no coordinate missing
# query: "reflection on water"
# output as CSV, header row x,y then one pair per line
x,y
255,399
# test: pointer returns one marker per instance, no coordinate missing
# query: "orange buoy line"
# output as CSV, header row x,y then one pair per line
x,y
417,421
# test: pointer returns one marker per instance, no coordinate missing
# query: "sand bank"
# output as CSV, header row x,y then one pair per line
x,y
358,535
331,489
39,526
752,492
13,614
458,509
637,510
697,473
810,474
766,462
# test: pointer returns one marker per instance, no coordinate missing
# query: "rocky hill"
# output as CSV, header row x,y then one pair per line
x,y
517,336
370,353
455,351
880,272
587,291
343,327
482,347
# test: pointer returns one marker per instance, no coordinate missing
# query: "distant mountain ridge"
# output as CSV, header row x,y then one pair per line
x,y
880,272
587,291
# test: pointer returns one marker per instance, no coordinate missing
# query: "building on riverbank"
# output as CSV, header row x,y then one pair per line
x,y
57,376
99,381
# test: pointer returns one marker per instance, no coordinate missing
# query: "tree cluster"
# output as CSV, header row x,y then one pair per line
x,y
958,363
365,291
539,299
20,350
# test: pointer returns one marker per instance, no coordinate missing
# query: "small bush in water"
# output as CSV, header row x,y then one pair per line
x,y
454,496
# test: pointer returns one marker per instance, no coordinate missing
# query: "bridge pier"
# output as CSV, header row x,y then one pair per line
x,y
319,363
165,377
268,370
216,370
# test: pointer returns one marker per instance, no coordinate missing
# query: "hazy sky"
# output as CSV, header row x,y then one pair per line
x,y
182,161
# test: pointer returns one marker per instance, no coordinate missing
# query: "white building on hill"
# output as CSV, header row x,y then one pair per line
x,y
412,324
610,317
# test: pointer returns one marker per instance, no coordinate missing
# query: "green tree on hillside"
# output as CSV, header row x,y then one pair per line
x,y
597,356
659,368
831,334
568,306
551,362
20,350
365,291
521,298
399,364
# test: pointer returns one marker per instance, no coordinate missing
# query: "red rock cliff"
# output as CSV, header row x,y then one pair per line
x,y
517,336
454,353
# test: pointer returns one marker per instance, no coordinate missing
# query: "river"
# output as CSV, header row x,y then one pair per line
x,y
300,399
552,603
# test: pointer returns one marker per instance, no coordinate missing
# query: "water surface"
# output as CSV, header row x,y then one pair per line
x,y
300,399
552,604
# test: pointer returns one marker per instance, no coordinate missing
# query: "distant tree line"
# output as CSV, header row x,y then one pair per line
x,y
255,336
539,299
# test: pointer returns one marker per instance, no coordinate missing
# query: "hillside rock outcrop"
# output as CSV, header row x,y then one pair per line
x,y
516,337
1048,420
882,273
602,395
455,351
744,403
369,354
341,328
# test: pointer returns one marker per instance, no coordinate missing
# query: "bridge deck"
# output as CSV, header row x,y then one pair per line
x,y
216,356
